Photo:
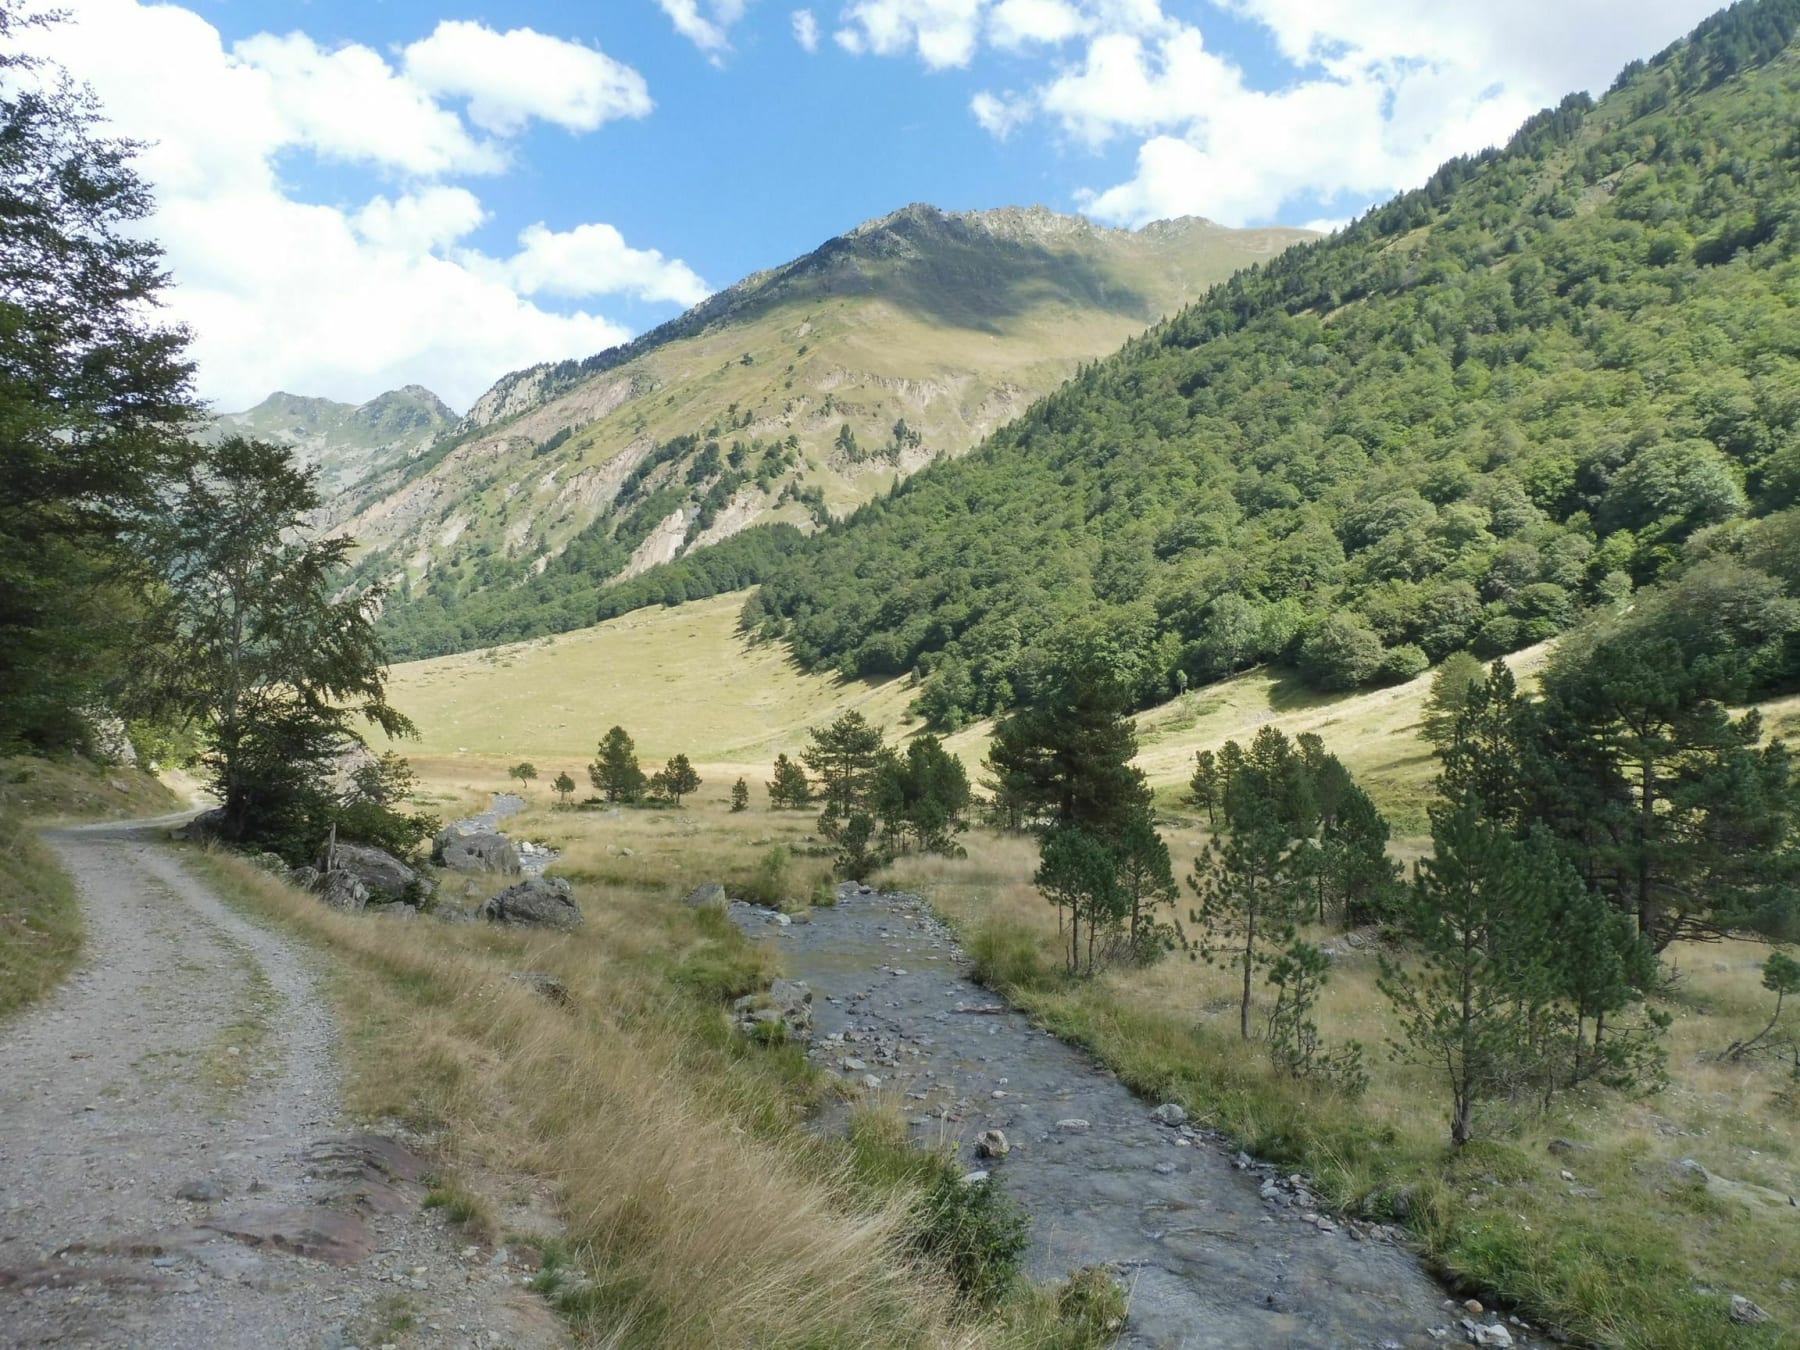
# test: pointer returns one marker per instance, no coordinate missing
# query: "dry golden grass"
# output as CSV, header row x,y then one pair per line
x,y
703,1212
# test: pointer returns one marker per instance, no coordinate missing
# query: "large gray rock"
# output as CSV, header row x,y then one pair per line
x,y
206,825
387,878
543,902
787,1003
710,896
485,851
342,890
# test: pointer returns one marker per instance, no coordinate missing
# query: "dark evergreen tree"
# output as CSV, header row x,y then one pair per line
x,y
95,400
843,757
615,769
789,786
740,796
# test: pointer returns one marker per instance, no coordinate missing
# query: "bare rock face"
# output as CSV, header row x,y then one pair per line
x,y
709,896
482,851
386,878
342,890
541,902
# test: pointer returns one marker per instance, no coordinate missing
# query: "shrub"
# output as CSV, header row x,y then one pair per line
x,y
1006,955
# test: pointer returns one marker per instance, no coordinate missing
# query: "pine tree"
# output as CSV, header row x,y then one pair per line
x,y
615,769
740,796
95,398
564,785
1079,875
1204,789
676,779
789,786
1147,879
1463,1009
1068,758
843,757
1243,883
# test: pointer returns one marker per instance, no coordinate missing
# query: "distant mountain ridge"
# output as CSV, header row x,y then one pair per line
x,y
789,398
347,442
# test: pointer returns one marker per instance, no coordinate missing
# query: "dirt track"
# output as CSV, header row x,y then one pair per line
x,y
175,1166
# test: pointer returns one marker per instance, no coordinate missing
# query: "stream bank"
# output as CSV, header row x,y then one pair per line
x,y
1216,1249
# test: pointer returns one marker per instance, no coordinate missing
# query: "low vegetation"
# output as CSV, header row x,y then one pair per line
x,y
695,1203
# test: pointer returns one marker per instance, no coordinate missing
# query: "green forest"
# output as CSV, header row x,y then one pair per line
x,y
1555,375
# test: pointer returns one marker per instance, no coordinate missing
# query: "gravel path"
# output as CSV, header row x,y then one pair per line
x,y
1218,1250
175,1165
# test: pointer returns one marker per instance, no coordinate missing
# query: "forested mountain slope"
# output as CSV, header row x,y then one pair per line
x,y
348,443
784,400
1519,390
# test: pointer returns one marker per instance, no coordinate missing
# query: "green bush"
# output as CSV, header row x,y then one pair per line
x,y
1007,955
771,880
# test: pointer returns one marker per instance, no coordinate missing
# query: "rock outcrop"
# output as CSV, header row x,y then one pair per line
x,y
539,902
387,878
475,851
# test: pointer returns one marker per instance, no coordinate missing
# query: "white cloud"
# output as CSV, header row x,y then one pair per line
x,y
347,301
349,104
806,30
999,114
419,222
1383,92
1018,23
707,26
511,77
595,260
943,32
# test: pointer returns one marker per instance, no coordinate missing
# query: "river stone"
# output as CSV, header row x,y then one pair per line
x,y
1072,1126
1169,1113
341,890
1746,1313
202,1192
1487,1334
543,902
710,896
483,851
992,1144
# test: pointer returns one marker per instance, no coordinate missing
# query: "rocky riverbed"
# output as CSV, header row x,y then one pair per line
x,y
1218,1250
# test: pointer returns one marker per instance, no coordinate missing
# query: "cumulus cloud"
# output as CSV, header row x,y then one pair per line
x,y
806,30
707,26
1379,93
348,300
509,78
945,33
595,260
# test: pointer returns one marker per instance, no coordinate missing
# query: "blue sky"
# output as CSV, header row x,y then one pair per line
x,y
355,195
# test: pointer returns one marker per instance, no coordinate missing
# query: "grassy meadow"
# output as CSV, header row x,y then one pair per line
x,y
1627,1249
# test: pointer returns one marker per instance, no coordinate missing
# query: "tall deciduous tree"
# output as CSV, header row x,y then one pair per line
x,y
257,646
95,397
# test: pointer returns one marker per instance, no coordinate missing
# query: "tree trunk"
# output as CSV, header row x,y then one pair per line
x,y
1249,950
